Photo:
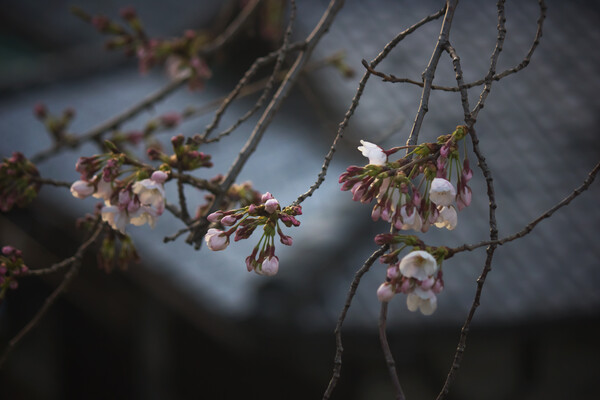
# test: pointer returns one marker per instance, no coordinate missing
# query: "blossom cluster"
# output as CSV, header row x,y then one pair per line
x,y
180,55
417,275
133,199
11,267
19,182
413,193
243,222
399,199
185,157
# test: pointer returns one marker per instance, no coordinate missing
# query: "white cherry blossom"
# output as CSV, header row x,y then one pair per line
x,y
422,300
418,264
448,218
373,152
442,192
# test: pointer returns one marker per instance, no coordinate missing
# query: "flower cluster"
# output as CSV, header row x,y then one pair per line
x,y
179,54
133,199
186,156
399,198
244,221
11,267
19,183
417,275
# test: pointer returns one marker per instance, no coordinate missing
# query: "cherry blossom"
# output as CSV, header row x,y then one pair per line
x,y
418,264
448,218
422,300
442,192
374,153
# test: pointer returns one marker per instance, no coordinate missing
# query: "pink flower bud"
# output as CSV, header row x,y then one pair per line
x,y
271,205
249,263
265,197
82,189
428,283
228,220
287,240
438,286
7,250
216,239
13,284
406,286
270,266
214,217
393,272
159,176
385,292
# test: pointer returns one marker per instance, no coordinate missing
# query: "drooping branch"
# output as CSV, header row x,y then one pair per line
x,y
75,263
339,348
389,358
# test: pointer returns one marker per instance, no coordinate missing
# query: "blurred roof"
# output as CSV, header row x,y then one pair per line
x,y
538,131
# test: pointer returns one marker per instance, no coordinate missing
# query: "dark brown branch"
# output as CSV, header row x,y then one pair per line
x,y
493,60
470,119
339,349
68,261
354,104
232,30
52,182
389,358
429,73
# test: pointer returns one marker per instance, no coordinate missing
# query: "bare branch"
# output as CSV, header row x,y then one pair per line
x,y
337,363
75,263
430,71
389,358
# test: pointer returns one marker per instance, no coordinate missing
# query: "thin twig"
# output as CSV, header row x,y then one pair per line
x,y
75,262
494,59
232,29
389,358
429,73
339,349
354,104
68,261
52,182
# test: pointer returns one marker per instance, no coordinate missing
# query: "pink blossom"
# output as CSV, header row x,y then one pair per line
x,y
216,239
271,206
